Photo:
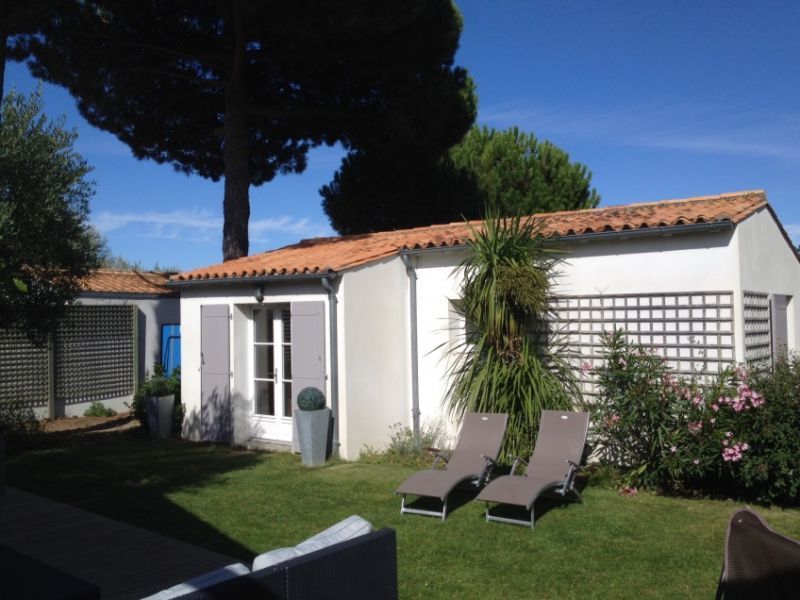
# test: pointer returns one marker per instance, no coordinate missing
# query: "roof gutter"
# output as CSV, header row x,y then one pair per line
x,y
327,283
178,283
412,292
646,232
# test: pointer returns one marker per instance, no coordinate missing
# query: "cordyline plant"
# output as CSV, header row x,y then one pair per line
x,y
508,360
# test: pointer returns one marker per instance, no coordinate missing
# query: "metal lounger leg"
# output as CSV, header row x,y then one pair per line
x,y
418,511
491,517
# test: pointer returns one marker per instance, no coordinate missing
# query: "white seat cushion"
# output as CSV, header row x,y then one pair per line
x,y
349,528
200,582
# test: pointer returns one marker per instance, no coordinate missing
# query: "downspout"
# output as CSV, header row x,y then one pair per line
x,y
412,292
327,283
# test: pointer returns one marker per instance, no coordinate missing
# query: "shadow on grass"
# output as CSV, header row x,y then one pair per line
x,y
542,506
458,498
128,477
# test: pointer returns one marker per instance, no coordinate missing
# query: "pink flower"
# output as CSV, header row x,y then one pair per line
x,y
586,368
742,373
696,461
622,362
734,453
698,401
614,418
715,408
728,434
673,449
695,426
713,420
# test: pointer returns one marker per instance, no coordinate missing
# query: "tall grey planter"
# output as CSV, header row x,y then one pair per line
x,y
312,434
159,415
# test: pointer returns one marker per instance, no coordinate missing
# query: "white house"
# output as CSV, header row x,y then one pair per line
x,y
707,281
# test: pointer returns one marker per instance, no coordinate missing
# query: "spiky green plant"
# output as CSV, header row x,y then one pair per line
x,y
509,360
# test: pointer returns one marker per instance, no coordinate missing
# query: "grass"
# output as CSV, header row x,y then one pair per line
x,y
243,503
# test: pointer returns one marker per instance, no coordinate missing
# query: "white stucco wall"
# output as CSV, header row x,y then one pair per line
x,y
239,298
438,283
768,264
374,357
690,262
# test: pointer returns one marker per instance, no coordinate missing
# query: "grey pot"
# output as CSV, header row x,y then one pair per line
x,y
312,435
159,415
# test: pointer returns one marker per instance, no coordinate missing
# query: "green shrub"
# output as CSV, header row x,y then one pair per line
x,y
772,469
403,448
98,409
19,423
310,398
737,434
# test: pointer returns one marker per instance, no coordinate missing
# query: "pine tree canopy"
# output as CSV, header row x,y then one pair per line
x,y
242,89
503,172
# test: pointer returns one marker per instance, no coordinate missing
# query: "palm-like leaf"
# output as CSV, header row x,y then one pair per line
x,y
508,360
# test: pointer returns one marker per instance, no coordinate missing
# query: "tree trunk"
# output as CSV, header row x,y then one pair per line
x,y
236,206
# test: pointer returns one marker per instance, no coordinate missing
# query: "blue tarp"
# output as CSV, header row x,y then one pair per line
x,y
170,347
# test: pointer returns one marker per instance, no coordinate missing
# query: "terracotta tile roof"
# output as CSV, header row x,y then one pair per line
x,y
320,255
112,281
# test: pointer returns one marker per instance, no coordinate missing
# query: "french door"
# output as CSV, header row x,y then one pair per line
x,y
272,373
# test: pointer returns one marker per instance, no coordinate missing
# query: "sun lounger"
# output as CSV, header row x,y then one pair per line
x,y
551,468
759,562
472,460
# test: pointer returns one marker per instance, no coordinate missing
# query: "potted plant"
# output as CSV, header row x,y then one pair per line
x,y
157,403
313,422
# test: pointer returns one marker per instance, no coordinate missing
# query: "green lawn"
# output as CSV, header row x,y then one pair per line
x,y
242,503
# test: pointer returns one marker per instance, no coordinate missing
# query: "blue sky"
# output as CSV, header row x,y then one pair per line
x,y
659,99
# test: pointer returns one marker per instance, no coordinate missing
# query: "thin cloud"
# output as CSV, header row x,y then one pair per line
x,y
712,128
193,225
107,221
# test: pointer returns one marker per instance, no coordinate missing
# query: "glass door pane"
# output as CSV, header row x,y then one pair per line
x,y
286,375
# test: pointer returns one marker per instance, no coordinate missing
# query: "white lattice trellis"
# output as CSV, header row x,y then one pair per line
x,y
692,330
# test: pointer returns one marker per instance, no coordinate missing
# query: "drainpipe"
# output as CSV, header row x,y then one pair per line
x,y
332,304
412,281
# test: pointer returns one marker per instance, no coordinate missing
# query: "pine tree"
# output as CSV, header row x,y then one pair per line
x,y
503,172
242,89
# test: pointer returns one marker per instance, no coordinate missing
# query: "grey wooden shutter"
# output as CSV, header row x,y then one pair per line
x,y
308,352
215,399
780,330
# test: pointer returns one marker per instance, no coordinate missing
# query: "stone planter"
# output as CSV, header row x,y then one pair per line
x,y
159,415
312,435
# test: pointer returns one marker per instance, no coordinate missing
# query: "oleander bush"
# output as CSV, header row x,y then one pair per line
x,y
736,433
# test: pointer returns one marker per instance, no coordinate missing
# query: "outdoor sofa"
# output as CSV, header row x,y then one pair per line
x,y
363,565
